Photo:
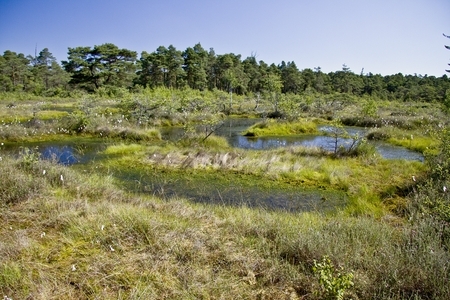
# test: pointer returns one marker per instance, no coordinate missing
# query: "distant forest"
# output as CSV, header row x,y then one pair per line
x,y
109,68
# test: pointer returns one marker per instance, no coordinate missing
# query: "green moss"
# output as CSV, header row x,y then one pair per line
x,y
420,144
10,275
124,149
50,114
365,203
278,128
15,119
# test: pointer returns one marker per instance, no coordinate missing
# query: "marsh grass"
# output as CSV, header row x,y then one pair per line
x,y
420,144
374,185
50,114
127,133
279,128
406,116
84,239
72,233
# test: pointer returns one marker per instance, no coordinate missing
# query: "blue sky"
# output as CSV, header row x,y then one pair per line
x,y
382,36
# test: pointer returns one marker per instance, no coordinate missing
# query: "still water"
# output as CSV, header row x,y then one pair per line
x,y
217,191
233,128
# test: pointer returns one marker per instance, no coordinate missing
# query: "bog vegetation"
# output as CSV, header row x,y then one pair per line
x,y
78,232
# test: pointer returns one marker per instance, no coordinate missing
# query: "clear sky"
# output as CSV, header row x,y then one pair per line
x,y
382,36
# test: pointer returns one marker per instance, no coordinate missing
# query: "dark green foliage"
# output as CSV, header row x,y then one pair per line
x,y
377,135
47,74
101,66
195,66
162,68
107,69
14,73
40,75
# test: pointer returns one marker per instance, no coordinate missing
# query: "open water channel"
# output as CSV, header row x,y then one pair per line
x,y
232,129
219,190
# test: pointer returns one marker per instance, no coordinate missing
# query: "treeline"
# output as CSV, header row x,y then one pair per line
x,y
109,68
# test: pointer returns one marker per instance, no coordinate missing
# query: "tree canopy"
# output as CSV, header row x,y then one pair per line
x,y
101,66
107,66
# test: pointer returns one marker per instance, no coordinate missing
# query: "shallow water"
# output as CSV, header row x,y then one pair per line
x,y
62,152
219,191
83,151
210,190
232,130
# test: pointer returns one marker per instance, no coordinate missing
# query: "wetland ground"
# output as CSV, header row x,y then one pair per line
x,y
78,232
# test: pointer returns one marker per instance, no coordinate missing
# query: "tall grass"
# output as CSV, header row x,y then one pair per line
x,y
83,238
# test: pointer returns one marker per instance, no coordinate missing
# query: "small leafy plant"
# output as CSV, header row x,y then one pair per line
x,y
333,283
30,156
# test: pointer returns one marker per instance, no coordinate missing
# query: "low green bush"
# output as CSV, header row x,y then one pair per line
x,y
377,135
333,283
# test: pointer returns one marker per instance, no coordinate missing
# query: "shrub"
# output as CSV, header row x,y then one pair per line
x,y
75,122
377,135
364,149
332,282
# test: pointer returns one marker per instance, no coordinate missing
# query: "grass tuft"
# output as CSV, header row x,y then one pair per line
x,y
277,128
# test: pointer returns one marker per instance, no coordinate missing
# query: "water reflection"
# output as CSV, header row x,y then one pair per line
x,y
219,192
62,154
233,128
68,153
395,152
261,143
